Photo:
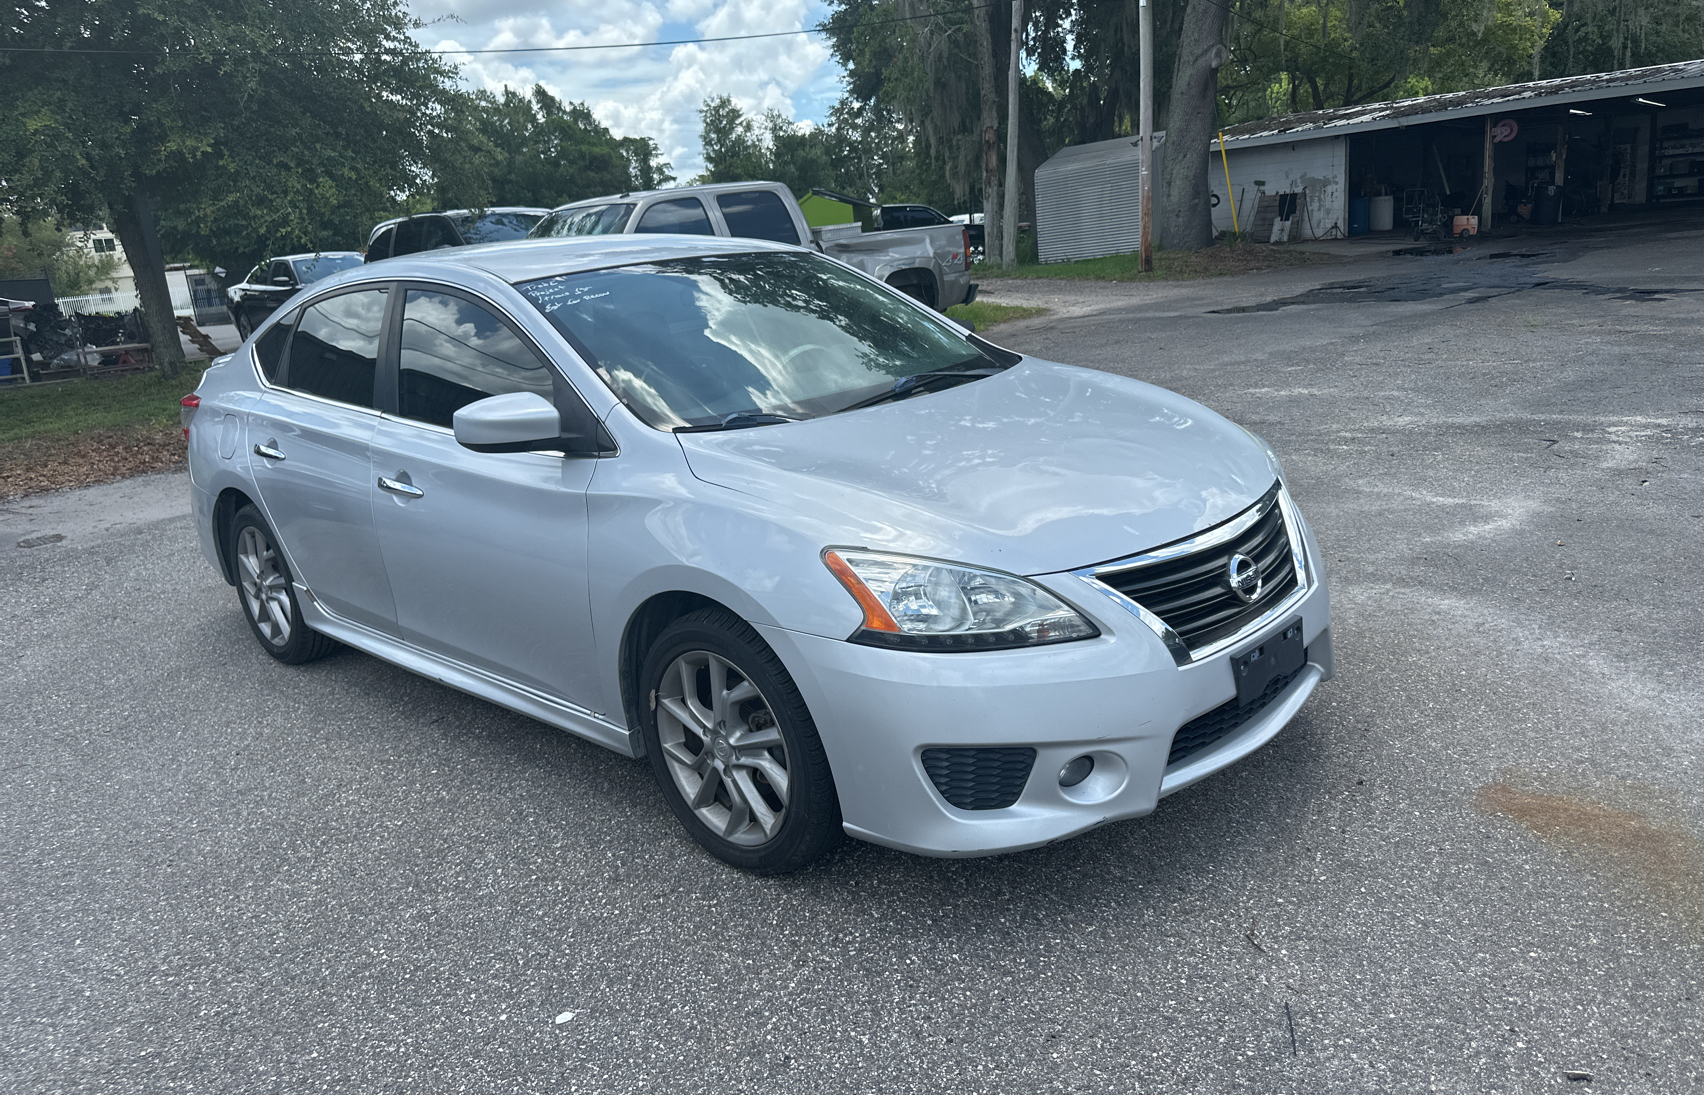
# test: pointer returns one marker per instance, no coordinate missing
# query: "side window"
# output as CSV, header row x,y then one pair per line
x,y
436,232
280,269
758,215
454,352
681,215
407,239
269,348
380,247
336,349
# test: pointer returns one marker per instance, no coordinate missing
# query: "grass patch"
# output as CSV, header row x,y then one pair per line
x,y
1216,261
983,314
81,432
146,402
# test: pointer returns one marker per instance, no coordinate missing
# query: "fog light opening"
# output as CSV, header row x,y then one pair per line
x,y
1076,771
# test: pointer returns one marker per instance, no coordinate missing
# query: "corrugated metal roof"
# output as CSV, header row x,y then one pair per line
x,y
1459,104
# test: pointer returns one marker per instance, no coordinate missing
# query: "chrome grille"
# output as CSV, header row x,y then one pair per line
x,y
1192,593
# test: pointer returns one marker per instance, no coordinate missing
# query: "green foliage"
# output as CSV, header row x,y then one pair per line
x,y
734,149
251,126
533,149
1606,35
1293,55
26,250
739,148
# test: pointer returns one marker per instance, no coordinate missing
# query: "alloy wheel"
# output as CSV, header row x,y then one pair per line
x,y
723,748
266,589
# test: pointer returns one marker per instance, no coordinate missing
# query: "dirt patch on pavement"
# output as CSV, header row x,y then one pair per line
x,y
1664,858
39,464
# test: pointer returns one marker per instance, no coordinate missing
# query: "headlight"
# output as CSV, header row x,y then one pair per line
x,y
921,604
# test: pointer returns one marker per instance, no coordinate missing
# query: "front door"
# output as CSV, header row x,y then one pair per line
x,y
486,552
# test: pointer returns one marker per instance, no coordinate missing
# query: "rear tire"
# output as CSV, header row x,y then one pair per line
x,y
267,594
733,747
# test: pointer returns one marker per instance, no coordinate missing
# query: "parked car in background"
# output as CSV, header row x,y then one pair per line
x,y
826,560
890,217
977,233
455,228
929,263
276,280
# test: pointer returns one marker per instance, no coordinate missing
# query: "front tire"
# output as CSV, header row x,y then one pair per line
x,y
733,747
267,595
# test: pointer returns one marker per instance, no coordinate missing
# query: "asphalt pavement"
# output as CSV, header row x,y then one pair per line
x,y
1472,864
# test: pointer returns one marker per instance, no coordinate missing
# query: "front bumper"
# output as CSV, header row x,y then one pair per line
x,y
1119,698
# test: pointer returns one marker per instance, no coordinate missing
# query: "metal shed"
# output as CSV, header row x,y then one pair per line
x,y
1587,142
1088,199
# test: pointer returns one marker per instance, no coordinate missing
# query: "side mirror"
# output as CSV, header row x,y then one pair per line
x,y
517,422
282,281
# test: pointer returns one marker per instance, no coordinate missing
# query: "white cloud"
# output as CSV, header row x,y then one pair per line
x,y
654,91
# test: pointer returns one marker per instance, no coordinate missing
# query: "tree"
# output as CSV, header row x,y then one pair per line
x,y
1186,223
733,148
31,250
243,121
1606,35
645,165
739,148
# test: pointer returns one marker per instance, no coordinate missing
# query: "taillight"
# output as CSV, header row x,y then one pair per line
x,y
967,247
186,411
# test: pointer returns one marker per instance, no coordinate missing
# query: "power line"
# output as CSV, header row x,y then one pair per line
x,y
821,28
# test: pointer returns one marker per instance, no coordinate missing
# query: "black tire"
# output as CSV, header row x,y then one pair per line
x,y
917,289
731,766
244,328
265,591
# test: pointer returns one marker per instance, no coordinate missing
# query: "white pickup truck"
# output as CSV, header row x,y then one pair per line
x,y
931,264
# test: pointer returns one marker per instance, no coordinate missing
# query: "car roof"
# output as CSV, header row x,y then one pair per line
x,y
462,213
525,260
672,191
312,255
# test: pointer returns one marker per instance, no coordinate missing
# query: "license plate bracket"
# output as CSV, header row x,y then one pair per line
x,y
1255,669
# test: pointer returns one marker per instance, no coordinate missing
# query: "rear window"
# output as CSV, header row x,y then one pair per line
x,y
585,220
757,215
323,266
495,227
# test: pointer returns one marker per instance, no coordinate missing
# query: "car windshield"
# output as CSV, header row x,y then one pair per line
x,y
585,220
495,227
692,341
322,266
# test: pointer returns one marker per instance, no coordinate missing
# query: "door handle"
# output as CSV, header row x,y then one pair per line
x,y
267,451
407,490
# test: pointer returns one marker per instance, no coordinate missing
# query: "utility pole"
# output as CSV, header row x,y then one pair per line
x,y
1009,241
1146,110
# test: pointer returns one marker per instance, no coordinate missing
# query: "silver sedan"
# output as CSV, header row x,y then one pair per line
x,y
828,561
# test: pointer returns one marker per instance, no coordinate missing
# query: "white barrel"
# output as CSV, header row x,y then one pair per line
x,y
1382,216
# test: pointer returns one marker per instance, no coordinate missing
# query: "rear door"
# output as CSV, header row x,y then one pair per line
x,y
486,552
308,440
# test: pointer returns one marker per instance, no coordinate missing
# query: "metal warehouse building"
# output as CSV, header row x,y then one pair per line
x,y
1535,152
1538,151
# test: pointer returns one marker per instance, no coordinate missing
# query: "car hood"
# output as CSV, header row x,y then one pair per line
x,y
1037,469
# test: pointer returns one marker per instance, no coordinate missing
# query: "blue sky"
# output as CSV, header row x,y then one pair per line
x,y
654,91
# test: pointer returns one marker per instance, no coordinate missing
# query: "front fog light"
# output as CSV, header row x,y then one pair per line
x,y
925,604
1076,771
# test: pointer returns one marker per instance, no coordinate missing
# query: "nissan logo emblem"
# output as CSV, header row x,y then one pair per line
x,y
1243,575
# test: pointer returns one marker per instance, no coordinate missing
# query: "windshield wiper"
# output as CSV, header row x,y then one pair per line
x,y
910,385
739,420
